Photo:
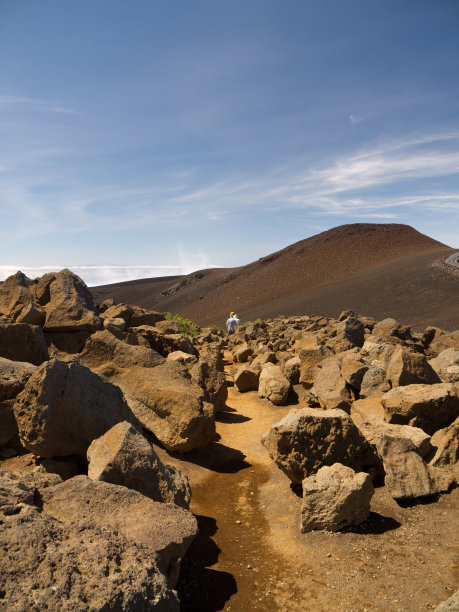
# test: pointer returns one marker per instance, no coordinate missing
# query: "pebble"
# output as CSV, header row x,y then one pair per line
x,y
238,523
249,567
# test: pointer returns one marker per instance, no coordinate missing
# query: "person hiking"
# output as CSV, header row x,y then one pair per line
x,y
232,325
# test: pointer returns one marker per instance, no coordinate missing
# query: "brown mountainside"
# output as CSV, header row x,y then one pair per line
x,y
354,264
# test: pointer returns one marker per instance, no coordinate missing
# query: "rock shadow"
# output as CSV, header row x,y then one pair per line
x,y
375,524
230,415
418,501
218,458
200,588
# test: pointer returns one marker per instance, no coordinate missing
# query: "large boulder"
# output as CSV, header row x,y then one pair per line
x,y
446,444
132,315
446,365
273,385
353,369
334,498
104,350
211,381
15,293
22,342
169,404
307,439
13,377
64,407
373,381
123,456
330,387
246,379
48,564
377,432
409,368
165,529
311,353
406,473
71,306
429,407
291,369
165,343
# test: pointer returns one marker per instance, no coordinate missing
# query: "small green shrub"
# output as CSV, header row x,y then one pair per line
x,y
186,326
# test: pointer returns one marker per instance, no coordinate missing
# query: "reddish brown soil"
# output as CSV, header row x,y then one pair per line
x,y
376,269
250,554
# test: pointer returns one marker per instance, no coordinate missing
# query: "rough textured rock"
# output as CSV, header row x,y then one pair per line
x,y
61,343
211,380
446,442
64,407
241,354
22,342
168,327
378,432
185,358
169,404
165,343
430,407
15,293
164,529
449,605
307,439
366,407
446,365
330,387
103,350
353,330
353,369
311,353
132,315
246,379
273,385
123,456
409,368
71,306
373,381
291,370
51,565
115,324
334,498
407,475
13,377
32,314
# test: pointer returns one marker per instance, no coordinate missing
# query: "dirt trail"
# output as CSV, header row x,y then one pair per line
x,y
250,554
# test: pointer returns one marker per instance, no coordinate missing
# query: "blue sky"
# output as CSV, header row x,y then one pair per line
x,y
150,137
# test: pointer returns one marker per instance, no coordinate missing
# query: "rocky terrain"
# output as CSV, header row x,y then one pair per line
x,y
384,270
303,463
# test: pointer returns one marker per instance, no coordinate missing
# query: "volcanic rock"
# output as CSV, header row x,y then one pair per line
x,y
334,498
165,529
273,385
330,387
22,342
446,365
430,407
64,407
307,439
13,377
446,443
246,379
409,368
71,306
123,456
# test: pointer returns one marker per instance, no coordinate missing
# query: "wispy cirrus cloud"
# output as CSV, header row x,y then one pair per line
x,y
45,105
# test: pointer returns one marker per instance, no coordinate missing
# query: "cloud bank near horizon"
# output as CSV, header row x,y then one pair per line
x,y
104,274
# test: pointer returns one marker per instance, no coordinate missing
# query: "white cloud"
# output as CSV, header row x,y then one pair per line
x,y
106,274
40,104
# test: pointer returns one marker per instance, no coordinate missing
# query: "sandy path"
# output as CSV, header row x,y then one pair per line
x,y
250,554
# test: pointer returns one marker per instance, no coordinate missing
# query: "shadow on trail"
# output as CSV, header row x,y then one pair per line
x,y
230,415
375,524
218,458
200,588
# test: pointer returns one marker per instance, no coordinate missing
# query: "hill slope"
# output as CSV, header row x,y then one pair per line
x,y
363,266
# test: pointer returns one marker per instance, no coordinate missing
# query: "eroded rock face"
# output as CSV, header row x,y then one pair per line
x,y
64,407
246,379
446,443
123,456
71,306
15,293
334,498
307,439
169,404
22,342
409,368
430,407
273,385
446,365
211,381
49,564
164,529
330,387
13,377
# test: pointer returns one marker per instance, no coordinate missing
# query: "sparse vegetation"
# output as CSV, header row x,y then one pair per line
x,y
186,325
